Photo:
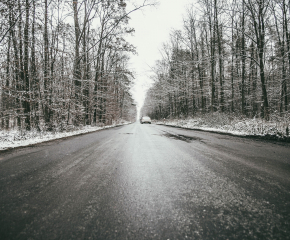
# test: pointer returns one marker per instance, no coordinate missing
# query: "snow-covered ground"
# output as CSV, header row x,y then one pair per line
x,y
275,128
16,138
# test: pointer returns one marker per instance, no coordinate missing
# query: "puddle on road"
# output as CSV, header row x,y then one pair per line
x,y
181,137
184,138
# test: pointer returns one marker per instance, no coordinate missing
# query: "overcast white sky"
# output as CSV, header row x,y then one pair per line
x,y
152,29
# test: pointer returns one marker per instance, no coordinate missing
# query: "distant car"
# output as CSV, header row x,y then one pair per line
x,y
145,120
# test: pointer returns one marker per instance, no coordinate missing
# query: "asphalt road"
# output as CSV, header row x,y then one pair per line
x,y
146,182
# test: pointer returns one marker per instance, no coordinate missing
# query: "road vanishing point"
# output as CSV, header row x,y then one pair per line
x,y
146,182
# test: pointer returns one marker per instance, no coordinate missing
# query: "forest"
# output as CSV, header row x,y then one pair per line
x,y
232,57
65,63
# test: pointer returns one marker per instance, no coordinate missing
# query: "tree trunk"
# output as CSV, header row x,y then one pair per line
x,y
34,80
47,98
27,97
285,27
212,59
243,52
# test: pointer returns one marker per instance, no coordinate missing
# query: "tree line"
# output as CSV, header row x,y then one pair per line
x,y
232,56
64,63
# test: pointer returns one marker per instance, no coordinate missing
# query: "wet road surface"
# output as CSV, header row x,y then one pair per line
x,y
146,182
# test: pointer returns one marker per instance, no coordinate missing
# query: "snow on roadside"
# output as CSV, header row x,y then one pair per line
x,y
235,126
16,138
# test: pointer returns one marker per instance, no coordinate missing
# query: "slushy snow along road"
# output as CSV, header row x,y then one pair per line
x,y
15,138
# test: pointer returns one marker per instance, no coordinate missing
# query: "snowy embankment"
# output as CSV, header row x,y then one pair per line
x,y
16,138
275,128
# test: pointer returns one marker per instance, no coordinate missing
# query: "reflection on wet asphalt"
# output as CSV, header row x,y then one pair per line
x,y
182,137
146,182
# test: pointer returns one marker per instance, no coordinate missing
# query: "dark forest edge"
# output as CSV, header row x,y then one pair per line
x,y
231,59
64,64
